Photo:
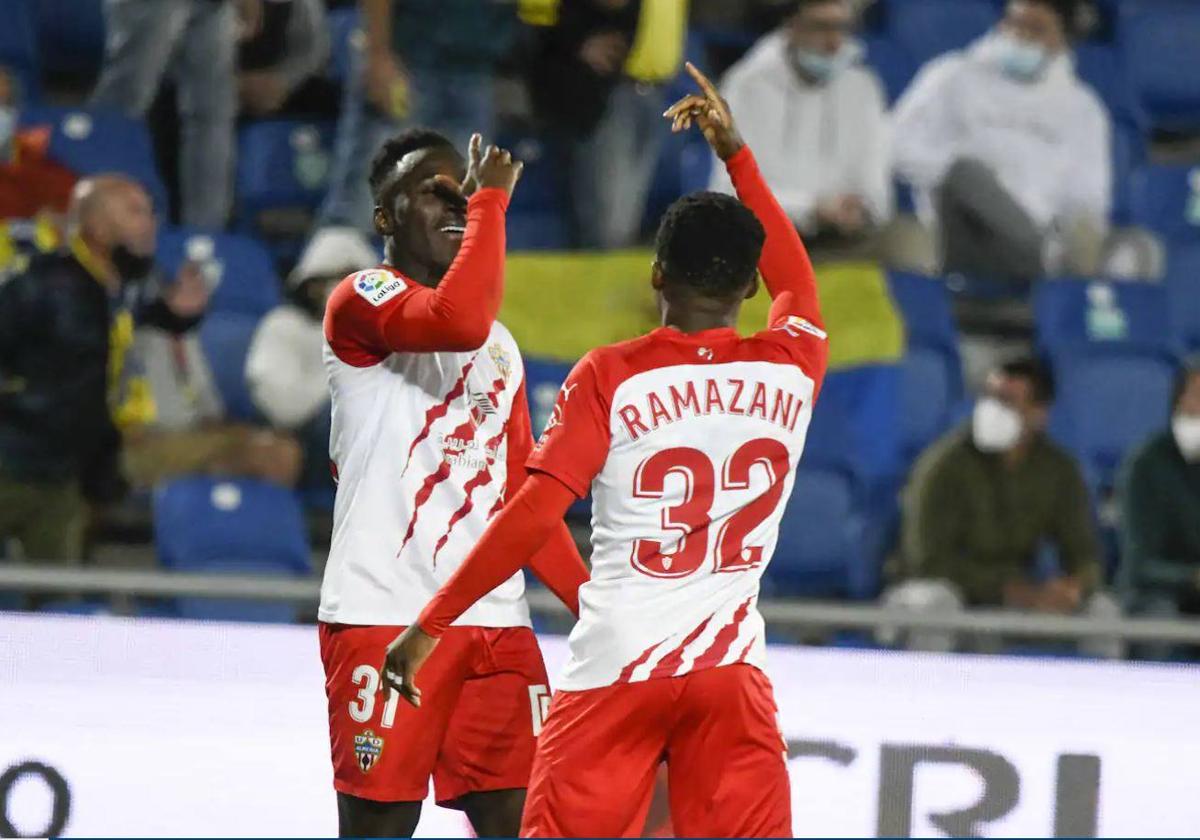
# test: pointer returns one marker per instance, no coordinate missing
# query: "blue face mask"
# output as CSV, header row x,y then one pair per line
x,y
1021,60
821,67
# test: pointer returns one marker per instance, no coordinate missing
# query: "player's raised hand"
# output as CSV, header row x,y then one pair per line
x,y
474,161
498,169
405,656
710,113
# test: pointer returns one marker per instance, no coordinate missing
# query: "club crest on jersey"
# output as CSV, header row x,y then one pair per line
x,y
377,286
502,361
794,325
367,748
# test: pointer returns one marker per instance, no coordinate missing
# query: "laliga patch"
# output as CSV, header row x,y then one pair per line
x,y
377,287
367,748
794,325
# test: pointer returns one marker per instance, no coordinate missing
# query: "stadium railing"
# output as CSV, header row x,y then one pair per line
x,y
125,584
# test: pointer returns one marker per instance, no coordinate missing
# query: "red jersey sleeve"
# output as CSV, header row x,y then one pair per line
x,y
574,446
557,564
795,322
374,313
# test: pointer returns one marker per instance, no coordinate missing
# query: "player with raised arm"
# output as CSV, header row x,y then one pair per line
x,y
430,436
688,439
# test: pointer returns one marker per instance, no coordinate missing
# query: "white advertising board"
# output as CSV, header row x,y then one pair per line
x,y
156,728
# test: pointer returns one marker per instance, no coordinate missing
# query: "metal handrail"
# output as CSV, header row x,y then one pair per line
x,y
25,577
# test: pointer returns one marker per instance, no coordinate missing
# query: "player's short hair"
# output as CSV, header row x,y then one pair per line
x,y
394,149
709,242
1036,373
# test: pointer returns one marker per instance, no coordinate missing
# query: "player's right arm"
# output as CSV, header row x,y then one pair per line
x,y
785,265
364,324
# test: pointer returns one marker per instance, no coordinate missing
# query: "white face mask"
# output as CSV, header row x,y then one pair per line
x,y
821,67
994,426
1186,429
1020,60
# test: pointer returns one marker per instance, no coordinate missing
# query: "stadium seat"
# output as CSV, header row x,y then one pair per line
x,y
1166,199
1072,315
71,35
225,338
537,217
1100,66
1109,401
891,62
18,46
89,142
1158,39
543,380
927,28
853,427
1128,155
204,524
282,165
343,26
924,303
238,269
1183,294
817,560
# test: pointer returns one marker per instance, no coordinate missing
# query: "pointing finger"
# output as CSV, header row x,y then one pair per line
x,y
705,84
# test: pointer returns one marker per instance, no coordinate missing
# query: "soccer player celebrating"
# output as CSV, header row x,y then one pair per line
x,y
688,438
430,435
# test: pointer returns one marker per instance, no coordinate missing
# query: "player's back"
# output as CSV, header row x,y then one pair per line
x,y
703,433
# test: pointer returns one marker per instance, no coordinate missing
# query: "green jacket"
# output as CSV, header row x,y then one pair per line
x,y
970,520
1160,521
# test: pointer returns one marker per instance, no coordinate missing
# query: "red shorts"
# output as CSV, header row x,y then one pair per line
x,y
484,695
716,729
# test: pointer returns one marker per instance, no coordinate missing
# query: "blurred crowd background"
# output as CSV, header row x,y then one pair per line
x,y
1003,198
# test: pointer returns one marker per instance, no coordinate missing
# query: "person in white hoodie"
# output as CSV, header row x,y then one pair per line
x,y
284,369
1009,151
817,121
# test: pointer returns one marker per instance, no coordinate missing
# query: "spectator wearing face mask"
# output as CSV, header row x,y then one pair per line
x,y
1009,151
816,119
1160,511
997,515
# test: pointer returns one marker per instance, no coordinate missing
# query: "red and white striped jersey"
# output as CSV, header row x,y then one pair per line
x,y
420,445
689,445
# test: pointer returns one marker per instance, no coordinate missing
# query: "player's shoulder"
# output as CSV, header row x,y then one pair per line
x,y
376,286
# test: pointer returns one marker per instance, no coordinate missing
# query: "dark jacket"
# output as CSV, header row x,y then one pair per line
x,y
1160,523
568,94
55,415
456,36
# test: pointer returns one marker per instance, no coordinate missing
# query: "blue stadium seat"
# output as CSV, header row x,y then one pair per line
x,y
281,165
204,524
537,217
1182,283
1158,39
1100,66
853,427
71,35
891,62
927,28
18,46
1072,315
820,538
544,378
239,270
1109,401
225,338
924,303
1166,199
1128,155
343,26
93,141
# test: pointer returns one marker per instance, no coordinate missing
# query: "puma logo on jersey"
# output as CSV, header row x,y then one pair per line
x,y
705,353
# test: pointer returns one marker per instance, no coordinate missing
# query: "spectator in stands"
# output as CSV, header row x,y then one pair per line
x,y
1160,511
420,62
195,42
66,375
817,121
284,368
31,182
1009,151
997,515
597,82
188,432
291,47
